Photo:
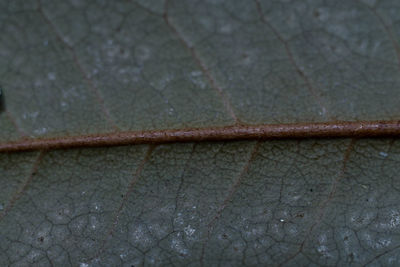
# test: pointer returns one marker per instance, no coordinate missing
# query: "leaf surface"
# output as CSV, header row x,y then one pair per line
x,y
70,68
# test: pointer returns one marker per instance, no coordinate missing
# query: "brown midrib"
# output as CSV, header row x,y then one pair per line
x,y
234,132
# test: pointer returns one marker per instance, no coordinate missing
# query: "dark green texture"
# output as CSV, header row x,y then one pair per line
x,y
326,202
77,67
119,65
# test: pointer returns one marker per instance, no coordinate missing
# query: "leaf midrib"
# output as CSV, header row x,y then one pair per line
x,y
235,132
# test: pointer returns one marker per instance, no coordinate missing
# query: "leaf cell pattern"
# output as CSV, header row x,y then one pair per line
x,y
79,67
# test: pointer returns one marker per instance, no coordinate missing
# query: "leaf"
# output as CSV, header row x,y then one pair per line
x,y
76,68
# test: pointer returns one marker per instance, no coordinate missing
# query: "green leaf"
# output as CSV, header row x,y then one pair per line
x,y
70,68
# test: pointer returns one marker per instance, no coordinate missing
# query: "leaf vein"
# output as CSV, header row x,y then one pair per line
x,y
80,68
202,65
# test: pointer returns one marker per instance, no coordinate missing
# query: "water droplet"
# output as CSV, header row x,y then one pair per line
x,y
40,131
179,246
364,186
189,230
227,28
196,73
51,76
94,223
383,154
323,111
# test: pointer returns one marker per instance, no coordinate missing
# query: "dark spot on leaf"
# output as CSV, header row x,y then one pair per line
x,y
41,239
2,106
311,189
351,257
300,73
235,249
316,13
122,195
224,236
300,215
346,238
